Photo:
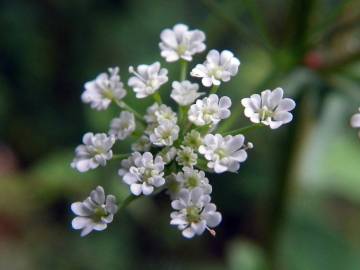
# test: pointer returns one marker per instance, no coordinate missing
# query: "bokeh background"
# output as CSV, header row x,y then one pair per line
x,y
295,203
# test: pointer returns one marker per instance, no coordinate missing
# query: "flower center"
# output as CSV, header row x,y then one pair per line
x,y
148,173
193,214
99,212
166,134
222,153
181,49
192,182
107,93
265,113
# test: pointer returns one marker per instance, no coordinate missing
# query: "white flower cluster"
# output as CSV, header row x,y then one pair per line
x,y
172,151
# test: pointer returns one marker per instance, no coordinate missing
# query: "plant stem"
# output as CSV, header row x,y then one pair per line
x,y
243,129
127,201
214,89
157,97
120,156
280,198
125,106
242,30
130,198
183,69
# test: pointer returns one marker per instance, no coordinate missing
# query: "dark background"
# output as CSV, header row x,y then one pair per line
x,y
293,205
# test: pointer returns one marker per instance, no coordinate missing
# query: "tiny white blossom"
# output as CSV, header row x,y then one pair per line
x,y
167,154
186,156
224,153
147,79
217,67
190,178
193,139
173,186
165,134
269,108
95,212
157,113
95,151
185,92
180,42
105,88
194,213
123,126
127,163
209,110
355,121
143,144
144,173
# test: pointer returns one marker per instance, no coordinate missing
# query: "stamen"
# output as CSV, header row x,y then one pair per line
x,y
132,70
211,231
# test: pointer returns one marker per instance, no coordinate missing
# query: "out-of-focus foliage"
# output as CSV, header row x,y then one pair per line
x,y
294,204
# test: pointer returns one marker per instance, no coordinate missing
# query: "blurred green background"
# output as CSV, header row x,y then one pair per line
x,y
295,203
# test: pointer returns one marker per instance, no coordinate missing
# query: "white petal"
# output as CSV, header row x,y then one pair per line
x,y
80,222
136,189
98,195
212,219
188,233
225,102
100,226
284,117
80,209
147,189
355,120
87,230
275,97
286,104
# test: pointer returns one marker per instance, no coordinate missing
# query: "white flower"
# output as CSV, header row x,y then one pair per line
x,y
123,126
185,92
191,178
95,212
167,154
224,153
157,113
270,108
186,156
194,213
143,144
127,163
144,173
95,151
193,139
173,186
217,67
209,110
147,79
105,88
180,42
165,134
355,121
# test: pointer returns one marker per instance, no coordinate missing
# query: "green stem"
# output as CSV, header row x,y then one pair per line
x,y
157,97
183,69
243,129
214,89
120,156
202,165
227,18
258,18
130,198
277,211
125,106
127,201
